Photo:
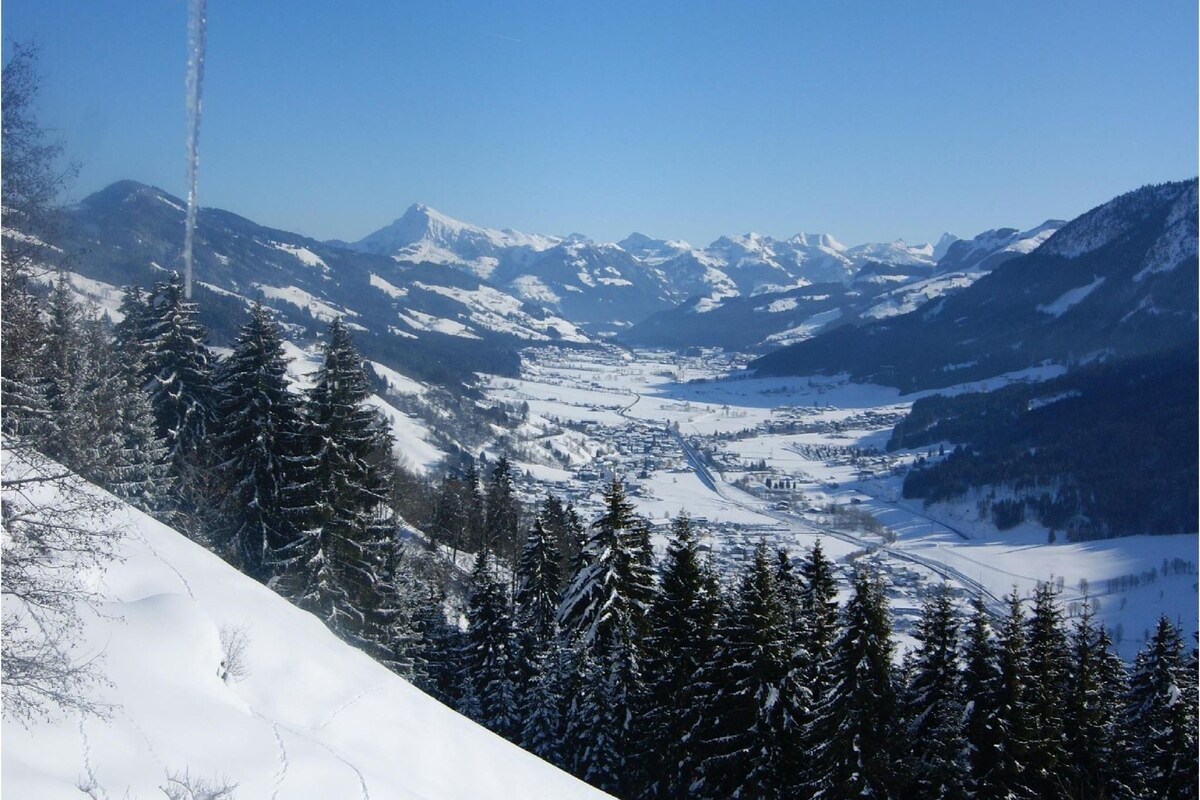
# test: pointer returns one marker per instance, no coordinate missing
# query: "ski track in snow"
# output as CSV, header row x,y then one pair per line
x,y
283,761
150,748
347,705
187,586
94,790
362,781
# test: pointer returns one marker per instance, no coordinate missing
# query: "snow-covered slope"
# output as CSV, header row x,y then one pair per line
x,y
311,718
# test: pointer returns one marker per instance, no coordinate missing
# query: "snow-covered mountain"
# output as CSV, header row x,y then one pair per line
x,y
436,324
307,717
992,248
1118,281
425,235
613,286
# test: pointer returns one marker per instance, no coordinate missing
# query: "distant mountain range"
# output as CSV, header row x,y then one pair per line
x,y
441,299
439,325
1119,281
609,287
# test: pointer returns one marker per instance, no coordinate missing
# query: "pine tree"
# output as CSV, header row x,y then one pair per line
x,y
757,706
544,702
473,501
129,460
1007,777
70,434
615,585
981,691
855,733
1095,759
605,612
933,706
819,606
259,444
181,369
681,643
23,341
490,645
1049,665
341,562
501,513
1162,717
537,596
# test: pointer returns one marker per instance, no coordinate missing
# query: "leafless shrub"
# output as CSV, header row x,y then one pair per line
x,y
234,665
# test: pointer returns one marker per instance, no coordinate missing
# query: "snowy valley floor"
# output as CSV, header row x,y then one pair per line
x,y
614,412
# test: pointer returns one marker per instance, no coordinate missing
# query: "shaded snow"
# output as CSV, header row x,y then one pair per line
x,y
1070,298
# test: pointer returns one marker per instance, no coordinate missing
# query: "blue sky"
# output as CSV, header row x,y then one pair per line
x,y
867,120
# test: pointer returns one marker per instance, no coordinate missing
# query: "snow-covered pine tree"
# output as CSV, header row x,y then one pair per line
x,y
130,458
70,433
605,611
980,690
855,733
259,444
682,641
616,581
936,763
340,564
818,593
1049,665
502,513
1007,776
536,602
1162,717
23,341
757,708
180,368
1096,762
490,650
544,703
473,501
133,338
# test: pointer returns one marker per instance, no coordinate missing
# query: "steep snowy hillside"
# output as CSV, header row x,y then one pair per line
x,y
307,717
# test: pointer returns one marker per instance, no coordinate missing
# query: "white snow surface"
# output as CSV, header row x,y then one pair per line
x,y
306,257
1070,298
313,719
302,299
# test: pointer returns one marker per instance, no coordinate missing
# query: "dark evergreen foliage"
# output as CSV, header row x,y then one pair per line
x,y
855,734
341,562
933,706
681,644
259,444
1106,450
1162,717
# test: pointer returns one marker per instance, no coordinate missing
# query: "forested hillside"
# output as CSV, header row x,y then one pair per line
x,y
1105,450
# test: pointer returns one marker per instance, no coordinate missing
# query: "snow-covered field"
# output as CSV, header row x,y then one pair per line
x,y
825,436
309,718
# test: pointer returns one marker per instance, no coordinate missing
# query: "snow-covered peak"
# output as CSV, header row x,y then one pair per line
x,y
992,248
943,244
896,252
822,241
425,234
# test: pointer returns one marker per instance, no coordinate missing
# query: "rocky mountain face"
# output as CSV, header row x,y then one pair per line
x,y
1119,281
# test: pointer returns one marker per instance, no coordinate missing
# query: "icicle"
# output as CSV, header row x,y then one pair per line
x,y
197,23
